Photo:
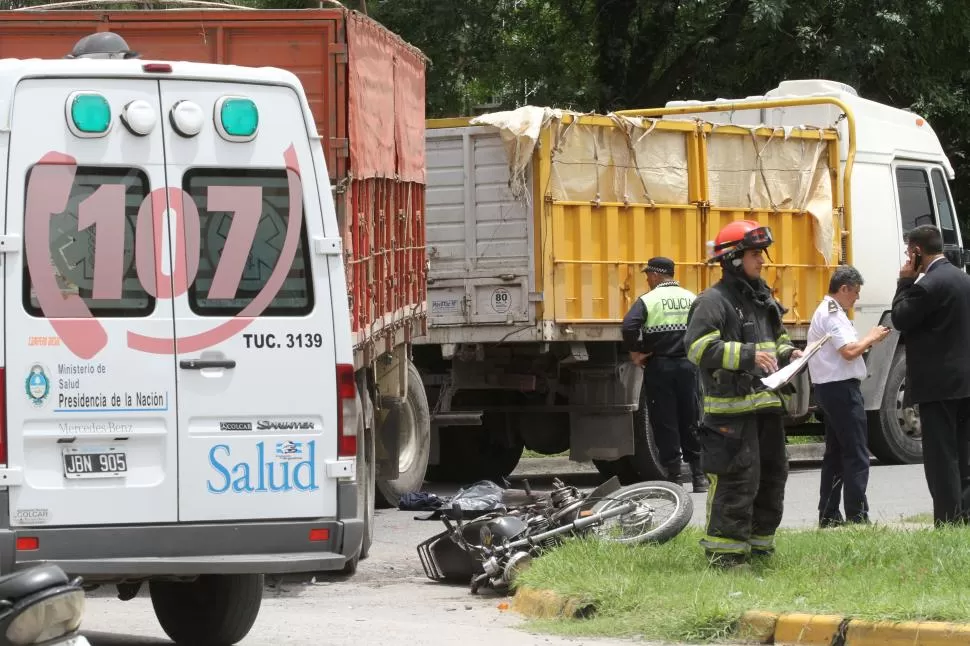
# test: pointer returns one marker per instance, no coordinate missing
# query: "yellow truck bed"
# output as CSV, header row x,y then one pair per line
x,y
598,196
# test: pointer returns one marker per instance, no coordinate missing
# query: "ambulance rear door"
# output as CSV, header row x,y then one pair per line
x,y
90,421
253,324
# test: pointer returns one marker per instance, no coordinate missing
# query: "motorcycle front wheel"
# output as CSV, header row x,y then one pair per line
x,y
663,510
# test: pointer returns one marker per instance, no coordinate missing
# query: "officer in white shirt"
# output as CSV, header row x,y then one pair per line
x,y
837,371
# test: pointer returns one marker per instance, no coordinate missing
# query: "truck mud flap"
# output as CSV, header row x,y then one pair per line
x,y
387,439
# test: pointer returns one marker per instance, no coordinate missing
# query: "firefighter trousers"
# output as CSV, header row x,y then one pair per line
x,y
747,463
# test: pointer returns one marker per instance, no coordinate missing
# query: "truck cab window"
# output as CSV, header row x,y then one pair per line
x,y
915,199
944,208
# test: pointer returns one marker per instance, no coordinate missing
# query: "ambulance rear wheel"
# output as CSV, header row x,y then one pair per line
x,y
414,442
213,610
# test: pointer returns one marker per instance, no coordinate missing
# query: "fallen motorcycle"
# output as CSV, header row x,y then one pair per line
x,y
41,606
491,549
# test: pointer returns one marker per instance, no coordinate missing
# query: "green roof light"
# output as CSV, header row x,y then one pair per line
x,y
238,118
90,114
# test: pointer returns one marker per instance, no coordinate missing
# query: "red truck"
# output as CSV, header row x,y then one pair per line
x,y
366,89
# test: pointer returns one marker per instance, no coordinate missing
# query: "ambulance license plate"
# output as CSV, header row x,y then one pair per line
x,y
94,463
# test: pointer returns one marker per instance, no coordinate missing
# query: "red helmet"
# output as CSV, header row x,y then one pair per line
x,y
737,236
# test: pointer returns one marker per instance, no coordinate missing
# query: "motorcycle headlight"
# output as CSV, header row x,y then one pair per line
x,y
47,619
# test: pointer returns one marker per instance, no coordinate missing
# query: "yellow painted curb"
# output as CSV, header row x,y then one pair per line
x,y
546,604
833,630
817,630
907,633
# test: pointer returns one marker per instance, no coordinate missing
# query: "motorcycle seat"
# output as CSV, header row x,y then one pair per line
x,y
26,582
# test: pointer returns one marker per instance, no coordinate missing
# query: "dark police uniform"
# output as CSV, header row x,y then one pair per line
x,y
670,380
742,435
845,465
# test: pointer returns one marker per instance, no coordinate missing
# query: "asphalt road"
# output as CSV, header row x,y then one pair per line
x,y
390,601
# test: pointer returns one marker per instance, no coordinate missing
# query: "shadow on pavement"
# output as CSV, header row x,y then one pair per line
x,y
110,639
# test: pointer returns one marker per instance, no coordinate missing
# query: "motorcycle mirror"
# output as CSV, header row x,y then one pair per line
x,y
456,513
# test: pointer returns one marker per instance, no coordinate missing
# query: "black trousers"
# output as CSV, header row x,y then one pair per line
x,y
845,466
747,462
673,407
946,433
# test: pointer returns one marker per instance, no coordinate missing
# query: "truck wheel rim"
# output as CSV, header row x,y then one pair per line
x,y
407,439
908,416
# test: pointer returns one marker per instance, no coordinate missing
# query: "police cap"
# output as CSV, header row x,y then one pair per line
x,y
660,265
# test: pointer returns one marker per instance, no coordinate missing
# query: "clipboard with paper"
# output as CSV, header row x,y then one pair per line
x,y
782,377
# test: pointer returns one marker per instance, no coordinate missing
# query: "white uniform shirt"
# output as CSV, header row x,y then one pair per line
x,y
827,364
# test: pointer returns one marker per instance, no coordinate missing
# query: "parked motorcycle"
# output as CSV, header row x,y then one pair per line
x,y
492,549
41,606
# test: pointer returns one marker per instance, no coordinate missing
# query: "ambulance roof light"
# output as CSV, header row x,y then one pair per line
x,y
103,44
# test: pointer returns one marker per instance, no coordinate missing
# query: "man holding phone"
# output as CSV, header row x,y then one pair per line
x,y
837,371
931,310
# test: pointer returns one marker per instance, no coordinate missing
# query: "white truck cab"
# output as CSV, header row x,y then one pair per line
x,y
179,403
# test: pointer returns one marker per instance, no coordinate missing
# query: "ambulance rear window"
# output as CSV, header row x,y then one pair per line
x,y
264,247
73,248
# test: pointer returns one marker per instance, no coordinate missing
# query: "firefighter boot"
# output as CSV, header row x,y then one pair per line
x,y
699,478
675,473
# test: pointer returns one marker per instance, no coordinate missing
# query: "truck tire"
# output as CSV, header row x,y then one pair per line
x,y
894,432
213,610
414,445
645,463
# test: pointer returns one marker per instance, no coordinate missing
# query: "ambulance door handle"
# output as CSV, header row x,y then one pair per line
x,y
199,364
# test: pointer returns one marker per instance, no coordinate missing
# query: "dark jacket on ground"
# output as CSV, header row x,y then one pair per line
x,y
933,316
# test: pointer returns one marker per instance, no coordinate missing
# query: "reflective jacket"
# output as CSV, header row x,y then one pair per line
x,y
657,321
725,327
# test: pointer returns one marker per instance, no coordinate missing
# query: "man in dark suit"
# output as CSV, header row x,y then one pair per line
x,y
931,310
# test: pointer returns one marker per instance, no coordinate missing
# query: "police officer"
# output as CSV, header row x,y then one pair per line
x,y
837,371
736,335
653,332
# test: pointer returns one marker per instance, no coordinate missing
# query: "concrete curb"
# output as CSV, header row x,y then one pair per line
x,y
835,630
790,629
546,604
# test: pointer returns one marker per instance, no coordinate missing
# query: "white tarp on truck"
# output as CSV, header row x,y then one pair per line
x,y
636,163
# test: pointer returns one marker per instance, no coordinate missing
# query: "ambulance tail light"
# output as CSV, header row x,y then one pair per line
x,y
3,416
346,411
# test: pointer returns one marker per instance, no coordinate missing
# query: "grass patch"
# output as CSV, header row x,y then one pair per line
x,y
667,592
923,518
529,453
806,439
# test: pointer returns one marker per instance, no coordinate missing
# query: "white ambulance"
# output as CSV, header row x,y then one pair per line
x,y
180,405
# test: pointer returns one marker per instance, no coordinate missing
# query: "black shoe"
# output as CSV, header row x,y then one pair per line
x,y
674,473
699,478
828,523
701,483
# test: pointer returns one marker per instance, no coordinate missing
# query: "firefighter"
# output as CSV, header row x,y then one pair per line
x,y
736,336
653,333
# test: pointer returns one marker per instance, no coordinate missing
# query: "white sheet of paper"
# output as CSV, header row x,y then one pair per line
x,y
778,379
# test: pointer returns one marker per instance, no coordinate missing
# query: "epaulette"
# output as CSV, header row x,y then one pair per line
x,y
833,307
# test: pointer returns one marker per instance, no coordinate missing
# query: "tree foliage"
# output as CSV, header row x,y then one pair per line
x,y
613,54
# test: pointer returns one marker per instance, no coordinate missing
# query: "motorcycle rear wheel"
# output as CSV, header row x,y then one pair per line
x,y
645,524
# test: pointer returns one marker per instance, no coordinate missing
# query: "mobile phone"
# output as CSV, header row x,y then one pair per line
x,y
917,260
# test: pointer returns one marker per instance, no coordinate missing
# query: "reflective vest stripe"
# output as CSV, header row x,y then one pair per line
x,y
698,347
719,545
667,309
737,405
731,359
